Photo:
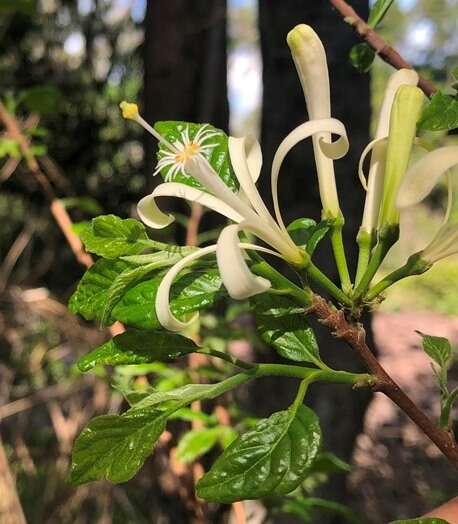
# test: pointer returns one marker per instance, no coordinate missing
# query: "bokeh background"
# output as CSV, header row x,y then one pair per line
x,y
64,68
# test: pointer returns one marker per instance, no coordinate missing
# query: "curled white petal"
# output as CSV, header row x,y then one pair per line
x,y
151,215
235,273
337,149
163,312
306,130
372,145
423,175
191,194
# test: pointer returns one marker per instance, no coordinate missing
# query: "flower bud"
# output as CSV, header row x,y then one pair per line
x,y
405,113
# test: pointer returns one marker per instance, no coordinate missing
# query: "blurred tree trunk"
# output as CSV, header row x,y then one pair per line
x,y
185,64
184,79
341,411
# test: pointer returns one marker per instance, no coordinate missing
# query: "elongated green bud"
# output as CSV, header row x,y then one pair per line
x,y
406,111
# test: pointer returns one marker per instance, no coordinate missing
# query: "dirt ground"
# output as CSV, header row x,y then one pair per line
x,y
397,472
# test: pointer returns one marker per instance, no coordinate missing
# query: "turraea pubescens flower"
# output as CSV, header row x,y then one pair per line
x,y
246,208
310,60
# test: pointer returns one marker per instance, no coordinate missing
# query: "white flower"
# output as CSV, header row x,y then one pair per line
x,y
378,147
310,60
418,182
245,208
186,149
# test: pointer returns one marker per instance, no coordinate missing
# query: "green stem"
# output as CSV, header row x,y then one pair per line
x,y
387,238
366,243
227,357
320,278
415,265
339,256
281,283
300,395
314,375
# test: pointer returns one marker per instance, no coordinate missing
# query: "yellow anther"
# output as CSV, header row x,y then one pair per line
x,y
129,110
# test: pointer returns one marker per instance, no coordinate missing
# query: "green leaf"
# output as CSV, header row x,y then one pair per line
x,y
115,447
361,57
378,12
91,294
137,347
191,292
440,114
421,521
111,237
290,333
130,277
218,157
226,436
271,459
438,348
196,443
41,99
109,281
307,234
187,393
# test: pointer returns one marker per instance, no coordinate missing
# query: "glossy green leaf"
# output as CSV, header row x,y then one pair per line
x,y
187,393
440,114
289,333
191,292
307,234
196,443
115,447
41,99
90,296
361,57
378,12
111,237
271,459
134,301
437,348
421,521
218,157
129,277
137,347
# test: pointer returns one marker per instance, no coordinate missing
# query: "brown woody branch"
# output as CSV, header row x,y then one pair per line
x,y
377,43
355,336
